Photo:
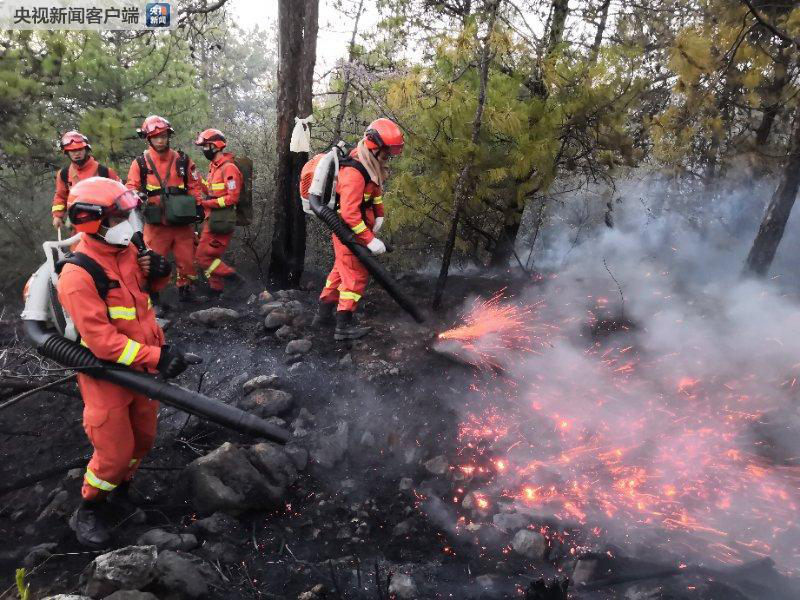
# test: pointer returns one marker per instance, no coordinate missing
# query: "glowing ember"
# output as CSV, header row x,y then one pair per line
x,y
604,436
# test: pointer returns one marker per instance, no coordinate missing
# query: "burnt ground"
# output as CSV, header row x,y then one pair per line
x,y
393,402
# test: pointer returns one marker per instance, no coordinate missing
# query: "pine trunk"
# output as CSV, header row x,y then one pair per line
x,y
777,214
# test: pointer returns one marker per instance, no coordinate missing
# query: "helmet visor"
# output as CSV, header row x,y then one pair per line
x,y
200,140
69,139
125,202
394,150
155,125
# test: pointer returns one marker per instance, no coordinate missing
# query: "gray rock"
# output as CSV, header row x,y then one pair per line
x,y
218,525
403,586
265,296
530,544
277,318
267,402
131,595
298,455
403,528
67,597
129,568
259,382
183,574
438,465
164,540
406,484
511,521
302,319
487,581
591,567
295,307
346,360
267,308
59,506
214,317
368,439
298,367
221,551
233,479
286,333
291,294
298,346
277,421
331,448
38,554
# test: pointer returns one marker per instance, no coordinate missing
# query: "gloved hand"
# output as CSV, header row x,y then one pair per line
x,y
376,246
157,266
306,206
378,224
172,362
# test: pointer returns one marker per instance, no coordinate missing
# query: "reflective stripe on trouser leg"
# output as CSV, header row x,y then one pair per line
x,y
330,293
94,481
209,257
354,281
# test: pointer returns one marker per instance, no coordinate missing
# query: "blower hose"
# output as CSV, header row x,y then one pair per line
x,y
74,356
346,236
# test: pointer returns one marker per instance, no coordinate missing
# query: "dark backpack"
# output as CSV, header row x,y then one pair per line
x,y
102,171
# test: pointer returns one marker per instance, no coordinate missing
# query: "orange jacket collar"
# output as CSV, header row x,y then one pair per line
x,y
89,166
221,158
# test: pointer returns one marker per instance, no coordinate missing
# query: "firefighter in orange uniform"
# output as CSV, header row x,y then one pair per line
x,y
222,189
82,165
168,176
359,189
120,328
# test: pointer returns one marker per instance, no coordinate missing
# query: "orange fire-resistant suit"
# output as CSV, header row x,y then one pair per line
x,y
360,204
121,424
164,238
75,174
223,186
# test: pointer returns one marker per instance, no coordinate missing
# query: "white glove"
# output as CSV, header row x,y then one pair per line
x,y
376,246
378,224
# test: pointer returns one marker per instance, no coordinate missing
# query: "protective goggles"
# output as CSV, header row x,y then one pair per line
x,y
155,125
85,212
73,138
202,141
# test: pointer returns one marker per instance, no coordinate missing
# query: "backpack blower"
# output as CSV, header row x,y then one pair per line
x,y
323,186
53,334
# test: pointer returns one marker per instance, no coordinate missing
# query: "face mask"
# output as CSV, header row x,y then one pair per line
x,y
121,233
209,154
82,161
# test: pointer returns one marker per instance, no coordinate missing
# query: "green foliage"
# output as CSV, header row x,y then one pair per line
x,y
23,589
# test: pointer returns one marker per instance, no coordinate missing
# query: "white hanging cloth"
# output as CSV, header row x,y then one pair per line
x,y
301,135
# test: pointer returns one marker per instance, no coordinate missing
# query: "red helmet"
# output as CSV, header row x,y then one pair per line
x,y
74,140
384,134
94,198
211,136
153,126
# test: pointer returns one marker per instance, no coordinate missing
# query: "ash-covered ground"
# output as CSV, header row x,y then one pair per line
x,y
367,501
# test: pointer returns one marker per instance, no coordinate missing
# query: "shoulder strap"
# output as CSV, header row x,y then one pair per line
x,y
102,171
101,281
142,173
183,168
349,161
64,175
158,175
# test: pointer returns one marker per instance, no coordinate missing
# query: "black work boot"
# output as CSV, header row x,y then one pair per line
x,y
123,503
187,293
346,329
89,525
324,316
233,281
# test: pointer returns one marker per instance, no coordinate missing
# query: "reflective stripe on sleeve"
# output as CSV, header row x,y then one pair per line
x,y
151,187
57,208
212,267
129,353
221,202
94,481
360,227
377,200
328,283
128,313
218,186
